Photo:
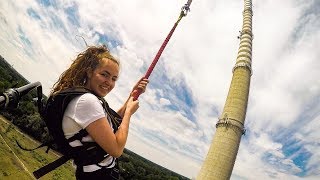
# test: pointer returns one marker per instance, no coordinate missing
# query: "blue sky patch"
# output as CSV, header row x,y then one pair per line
x,y
24,39
27,45
312,13
47,3
57,23
292,146
154,136
32,13
177,93
73,14
107,40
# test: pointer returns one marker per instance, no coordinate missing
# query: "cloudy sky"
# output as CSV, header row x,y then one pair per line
x,y
176,120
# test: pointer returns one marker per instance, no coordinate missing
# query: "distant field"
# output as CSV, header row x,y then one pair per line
x,y
16,163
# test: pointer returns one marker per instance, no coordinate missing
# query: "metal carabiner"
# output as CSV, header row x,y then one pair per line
x,y
186,8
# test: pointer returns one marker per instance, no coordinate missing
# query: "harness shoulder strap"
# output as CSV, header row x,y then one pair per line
x,y
114,116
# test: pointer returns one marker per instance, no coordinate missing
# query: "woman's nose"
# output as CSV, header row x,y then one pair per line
x,y
108,81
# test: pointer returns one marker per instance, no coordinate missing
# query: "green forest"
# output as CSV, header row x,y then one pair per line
x,y
26,118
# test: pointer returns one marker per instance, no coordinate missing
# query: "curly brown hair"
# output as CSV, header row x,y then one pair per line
x,y
86,61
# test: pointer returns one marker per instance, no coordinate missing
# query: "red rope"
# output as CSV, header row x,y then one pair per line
x,y
155,60
184,11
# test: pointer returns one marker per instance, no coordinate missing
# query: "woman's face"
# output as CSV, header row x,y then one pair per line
x,y
102,80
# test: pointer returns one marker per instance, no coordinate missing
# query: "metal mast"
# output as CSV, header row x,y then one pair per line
x,y
230,126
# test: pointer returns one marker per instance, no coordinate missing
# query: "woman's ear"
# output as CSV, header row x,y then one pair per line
x,y
89,73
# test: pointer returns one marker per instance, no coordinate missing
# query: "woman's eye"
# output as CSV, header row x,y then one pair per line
x,y
105,75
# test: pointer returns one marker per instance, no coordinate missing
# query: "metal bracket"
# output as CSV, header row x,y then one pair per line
x,y
230,122
242,64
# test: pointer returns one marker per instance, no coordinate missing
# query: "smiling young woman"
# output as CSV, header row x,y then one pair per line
x,y
96,71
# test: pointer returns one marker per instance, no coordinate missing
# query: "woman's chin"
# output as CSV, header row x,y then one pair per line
x,y
102,93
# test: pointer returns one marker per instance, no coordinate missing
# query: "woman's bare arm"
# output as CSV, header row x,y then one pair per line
x,y
102,133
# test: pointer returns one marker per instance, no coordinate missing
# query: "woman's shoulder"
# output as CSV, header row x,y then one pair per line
x,y
87,99
86,103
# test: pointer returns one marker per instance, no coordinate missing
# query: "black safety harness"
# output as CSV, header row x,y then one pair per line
x,y
87,154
